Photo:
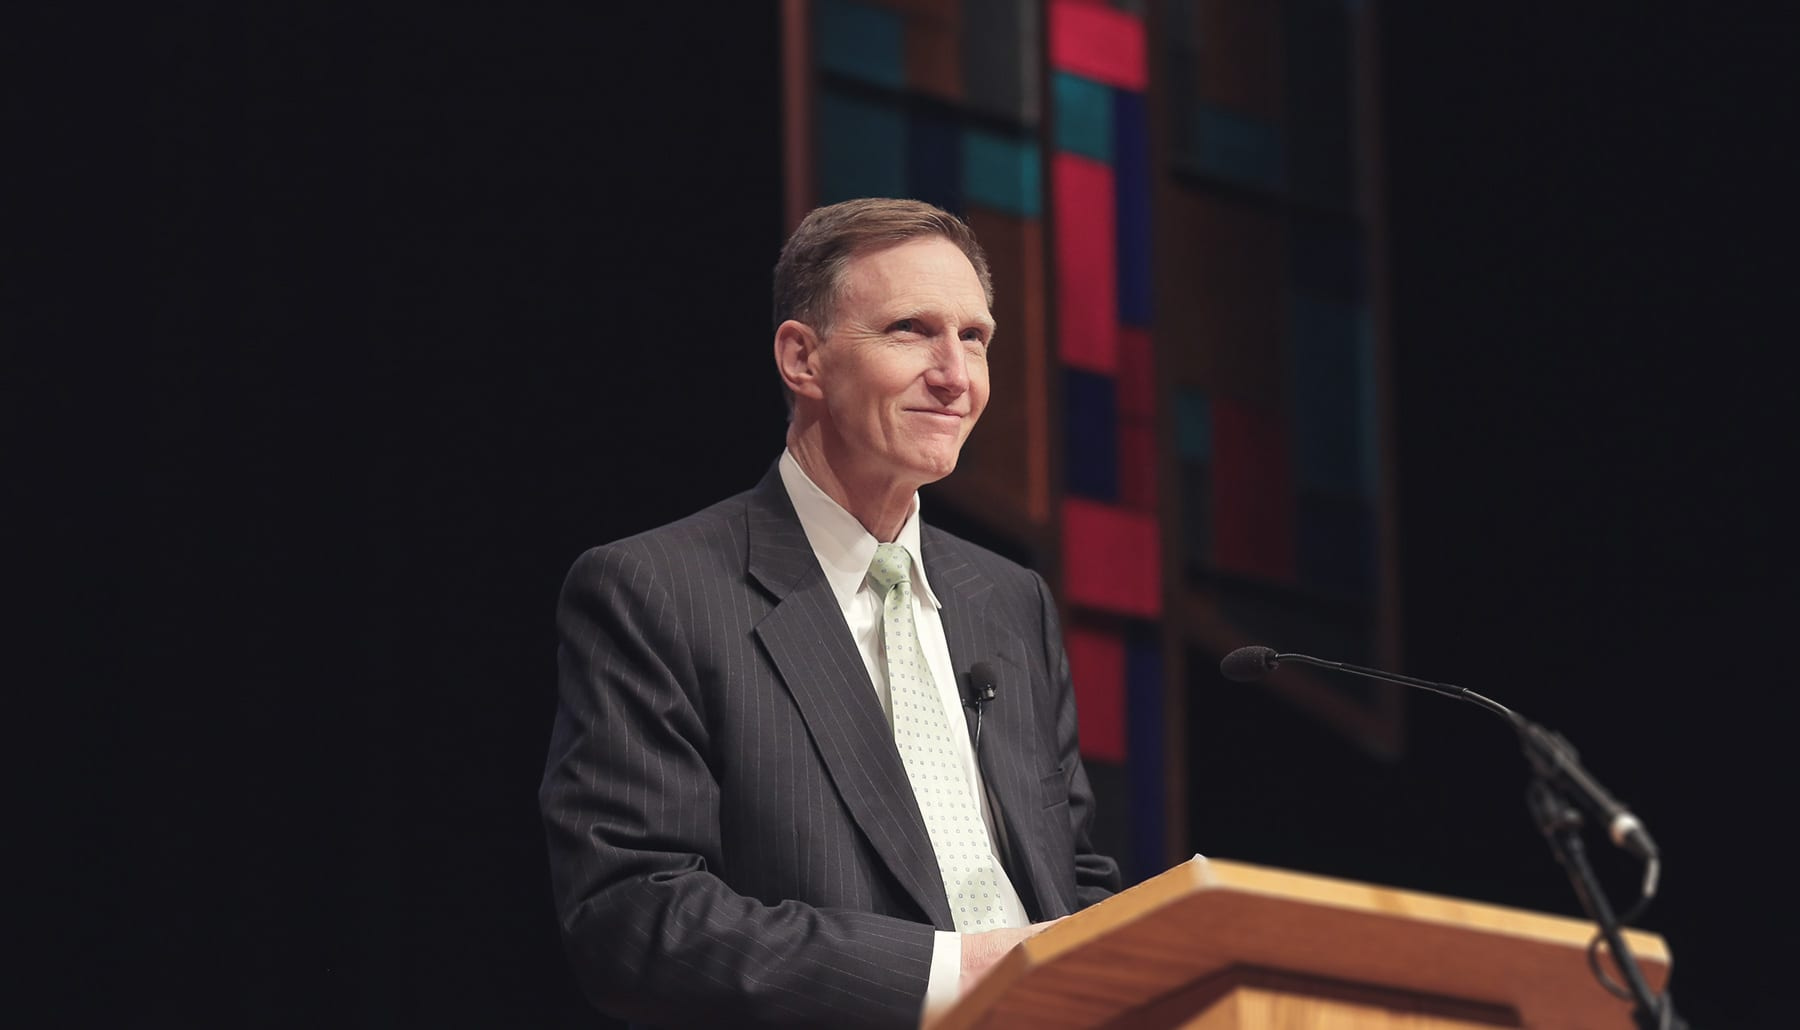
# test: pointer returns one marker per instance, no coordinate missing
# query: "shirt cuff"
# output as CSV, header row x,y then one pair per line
x,y
946,975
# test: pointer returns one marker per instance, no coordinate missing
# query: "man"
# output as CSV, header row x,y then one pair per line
x,y
763,799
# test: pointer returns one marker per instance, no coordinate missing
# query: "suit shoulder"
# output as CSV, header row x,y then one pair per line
x,y
1006,573
716,529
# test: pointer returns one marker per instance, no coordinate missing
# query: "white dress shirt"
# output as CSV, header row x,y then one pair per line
x,y
845,550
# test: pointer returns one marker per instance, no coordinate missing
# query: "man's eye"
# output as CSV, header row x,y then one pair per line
x,y
905,325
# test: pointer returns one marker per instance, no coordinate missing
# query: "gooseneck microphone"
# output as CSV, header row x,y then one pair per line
x,y
1253,664
1549,752
1559,787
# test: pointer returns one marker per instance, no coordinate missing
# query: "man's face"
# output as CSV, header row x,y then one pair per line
x,y
904,371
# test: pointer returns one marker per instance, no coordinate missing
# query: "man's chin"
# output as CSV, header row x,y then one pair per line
x,y
932,468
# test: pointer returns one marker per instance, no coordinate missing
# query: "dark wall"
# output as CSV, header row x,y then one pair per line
x,y
360,329
575,217
412,306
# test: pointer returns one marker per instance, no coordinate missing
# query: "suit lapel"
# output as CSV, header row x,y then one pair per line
x,y
806,638
1010,734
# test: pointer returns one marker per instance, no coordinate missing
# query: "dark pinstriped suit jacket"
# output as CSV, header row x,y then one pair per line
x,y
732,836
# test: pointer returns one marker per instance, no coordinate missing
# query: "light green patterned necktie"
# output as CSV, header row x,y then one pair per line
x,y
959,835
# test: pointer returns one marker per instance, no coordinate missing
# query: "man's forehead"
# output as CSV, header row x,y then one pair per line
x,y
886,251
924,265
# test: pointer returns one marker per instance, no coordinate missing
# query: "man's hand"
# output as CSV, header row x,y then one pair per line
x,y
982,951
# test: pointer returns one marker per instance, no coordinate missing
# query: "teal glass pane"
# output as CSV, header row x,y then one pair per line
x,y
1234,147
1193,425
1332,375
860,149
1002,172
1084,116
860,42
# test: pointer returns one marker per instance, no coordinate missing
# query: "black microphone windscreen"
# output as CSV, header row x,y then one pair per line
x,y
981,676
1248,664
981,686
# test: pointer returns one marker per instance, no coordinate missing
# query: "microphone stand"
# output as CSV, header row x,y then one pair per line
x,y
1559,819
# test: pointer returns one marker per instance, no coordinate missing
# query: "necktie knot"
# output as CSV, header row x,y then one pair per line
x,y
892,565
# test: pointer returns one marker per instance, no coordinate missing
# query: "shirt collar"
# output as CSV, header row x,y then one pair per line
x,y
844,548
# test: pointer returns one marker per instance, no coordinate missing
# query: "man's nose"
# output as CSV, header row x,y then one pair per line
x,y
949,371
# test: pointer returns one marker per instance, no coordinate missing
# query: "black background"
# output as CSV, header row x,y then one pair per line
x,y
346,332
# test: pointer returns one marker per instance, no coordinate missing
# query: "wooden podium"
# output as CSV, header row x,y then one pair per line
x,y
1215,945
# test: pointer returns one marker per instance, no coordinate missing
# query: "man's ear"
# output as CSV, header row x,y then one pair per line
x,y
797,358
